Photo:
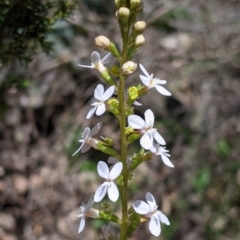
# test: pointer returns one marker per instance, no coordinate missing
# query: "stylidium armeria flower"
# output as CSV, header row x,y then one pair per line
x,y
150,82
149,210
97,62
156,149
109,186
87,138
87,211
99,107
146,128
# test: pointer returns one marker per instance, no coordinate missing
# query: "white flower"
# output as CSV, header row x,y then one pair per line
x,y
150,211
97,62
150,82
101,96
87,140
159,150
87,210
146,128
108,186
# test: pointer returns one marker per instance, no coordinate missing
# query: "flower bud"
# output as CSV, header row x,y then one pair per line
x,y
136,5
140,40
103,42
133,93
129,67
118,3
139,26
123,12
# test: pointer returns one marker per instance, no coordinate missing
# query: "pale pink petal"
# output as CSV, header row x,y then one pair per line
x,y
78,149
116,171
89,204
158,81
158,138
101,109
86,132
146,141
103,170
95,129
136,122
95,57
151,201
81,225
85,148
145,80
98,92
100,192
149,117
162,90
163,218
144,70
154,227
166,161
85,66
109,92
113,192
91,112
141,207
107,58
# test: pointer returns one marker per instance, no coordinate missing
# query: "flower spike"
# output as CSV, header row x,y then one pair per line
x,y
150,82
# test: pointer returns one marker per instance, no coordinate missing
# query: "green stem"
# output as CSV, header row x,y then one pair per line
x,y
123,152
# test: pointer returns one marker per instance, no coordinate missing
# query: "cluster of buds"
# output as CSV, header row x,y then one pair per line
x,y
120,102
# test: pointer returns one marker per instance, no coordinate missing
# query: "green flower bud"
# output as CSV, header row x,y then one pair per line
x,y
105,149
133,137
133,93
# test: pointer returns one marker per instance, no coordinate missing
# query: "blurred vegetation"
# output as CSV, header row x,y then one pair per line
x,y
24,25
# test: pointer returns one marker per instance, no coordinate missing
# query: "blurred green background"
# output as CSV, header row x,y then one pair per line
x,y
45,96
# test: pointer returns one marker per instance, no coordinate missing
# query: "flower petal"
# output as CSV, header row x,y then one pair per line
x,y
78,149
151,201
149,117
144,70
163,218
163,90
86,132
100,192
154,226
158,138
85,66
109,92
116,171
136,103
101,109
103,170
107,58
166,160
136,122
89,204
91,112
146,141
81,225
98,92
95,129
145,80
85,147
113,192
95,57
141,207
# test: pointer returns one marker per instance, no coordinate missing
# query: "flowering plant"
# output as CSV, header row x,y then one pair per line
x,y
120,100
